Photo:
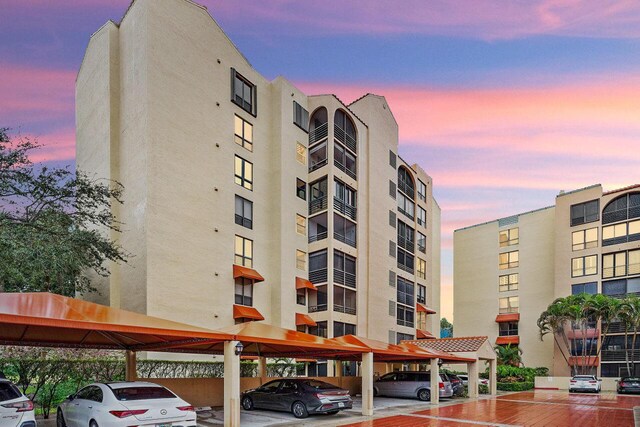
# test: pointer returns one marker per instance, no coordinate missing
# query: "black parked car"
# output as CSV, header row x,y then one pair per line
x,y
456,384
629,385
300,396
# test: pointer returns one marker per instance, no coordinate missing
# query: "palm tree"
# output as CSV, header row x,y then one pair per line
x,y
629,314
509,355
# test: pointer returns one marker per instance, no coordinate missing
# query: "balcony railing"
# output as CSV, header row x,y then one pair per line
x,y
402,322
422,248
317,165
344,278
319,133
342,309
318,276
345,209
406,268
407,214
345,169
617,328
317,205
621,239
407,244
345,138
344,239
316,308
619,355
317,237
407,189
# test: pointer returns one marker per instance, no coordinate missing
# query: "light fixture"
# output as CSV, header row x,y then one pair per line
x,y
440,363
239,348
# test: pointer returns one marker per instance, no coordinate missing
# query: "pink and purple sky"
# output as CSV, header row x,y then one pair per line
x,y
503,102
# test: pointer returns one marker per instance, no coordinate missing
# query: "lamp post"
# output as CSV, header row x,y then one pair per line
x,y
239,348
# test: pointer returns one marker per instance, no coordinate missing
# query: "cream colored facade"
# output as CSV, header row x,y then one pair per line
x,y
560,253
157,111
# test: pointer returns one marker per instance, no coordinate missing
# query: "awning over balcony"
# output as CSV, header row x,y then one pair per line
x,y
424,309
424,335
247,273
304,320
584,361
511,339
244,312
305,284
509,317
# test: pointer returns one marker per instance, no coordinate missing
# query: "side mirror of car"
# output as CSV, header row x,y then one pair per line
x,y
71,396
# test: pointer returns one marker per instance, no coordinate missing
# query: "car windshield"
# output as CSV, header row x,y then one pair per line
x,y
8,391
142,393
584,377
319,385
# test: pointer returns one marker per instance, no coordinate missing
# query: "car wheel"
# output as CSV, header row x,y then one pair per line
x,y
332,412
299,410
93,423
375,392
424,395
60,419
247,403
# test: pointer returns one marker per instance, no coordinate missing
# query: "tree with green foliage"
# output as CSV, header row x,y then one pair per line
x,y
509,355
446,328
55,224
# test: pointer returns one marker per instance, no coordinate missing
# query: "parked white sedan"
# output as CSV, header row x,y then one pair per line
x,y
16,410
125,404
585,383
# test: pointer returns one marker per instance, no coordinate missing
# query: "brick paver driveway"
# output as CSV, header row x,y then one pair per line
x,y
535,408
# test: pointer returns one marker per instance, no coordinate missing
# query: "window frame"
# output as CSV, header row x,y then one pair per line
x,y
421,273
510,285
510,308
422,190
509,264
584,218
584,266
243,256
301,260
241,140
241,218
253,93
421,216
300,117
585,244
301,189
509,241
301,224
243,283
240,178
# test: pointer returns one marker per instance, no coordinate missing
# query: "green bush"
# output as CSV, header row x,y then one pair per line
x,y
512,374
483,389
515,386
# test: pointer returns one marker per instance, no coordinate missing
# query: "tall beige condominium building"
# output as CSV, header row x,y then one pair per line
x,y
247,199
506,272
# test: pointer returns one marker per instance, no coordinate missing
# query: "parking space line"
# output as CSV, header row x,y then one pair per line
x,y
566,404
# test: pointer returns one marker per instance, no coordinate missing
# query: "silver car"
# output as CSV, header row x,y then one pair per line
x,y
410,384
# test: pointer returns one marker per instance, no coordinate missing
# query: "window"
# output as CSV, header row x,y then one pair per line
x,y
584,239
243,92
320,330
406,206
421,320
344,200
244,252
344,160
244,212
508,282
587,288
422,242
301,296
421,268
508,260
584,266
244,173
509,237
621,264
403,337
301,189
507,329
344,230
340,329
318,266
422,191
422,217
344,269
301,225
301,153
422,294
344,300
301,260
405,292
508,305
318,302
243,133
621,287
317,156
585,212
405,261
318,196
392,159
244,291
344,130
405,315
621,208
621,233
406,237
300,117
405,183
318,227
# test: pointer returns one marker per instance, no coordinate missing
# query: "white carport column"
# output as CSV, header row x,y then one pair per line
x,y
367,384
435,381
130,366
493,377
231,385
262,368
472,370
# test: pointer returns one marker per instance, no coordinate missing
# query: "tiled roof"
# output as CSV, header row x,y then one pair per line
x,y
629,187
451,345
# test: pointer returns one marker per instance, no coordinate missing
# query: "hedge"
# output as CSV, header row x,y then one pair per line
x,y
516,386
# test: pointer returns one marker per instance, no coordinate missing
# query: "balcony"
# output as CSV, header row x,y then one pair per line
x,y
318,205
317,237
343,309
319,133
344,239
317,165
407,244
620,355
344,208
317,308
318,276
345,169
342,136
344,278
406,268
407,189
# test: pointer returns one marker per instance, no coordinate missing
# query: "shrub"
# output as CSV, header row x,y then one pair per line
x,y
512,374
515,386
483,389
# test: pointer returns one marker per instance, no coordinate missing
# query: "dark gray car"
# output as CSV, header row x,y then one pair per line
x,y
300,396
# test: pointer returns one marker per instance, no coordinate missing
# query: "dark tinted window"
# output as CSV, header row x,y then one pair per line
x,y
288,387
8,391
271,387
85,393
142,393
388,377
585,212
319,385
423,377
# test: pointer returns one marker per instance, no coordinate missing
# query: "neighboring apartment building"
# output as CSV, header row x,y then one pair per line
x,y
506,272
246,199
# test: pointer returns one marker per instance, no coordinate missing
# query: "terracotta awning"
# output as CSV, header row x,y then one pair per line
x,y
424,335
244,312
424,309
247,273
303,319
584,361
510,317
511,339
305,284
305,360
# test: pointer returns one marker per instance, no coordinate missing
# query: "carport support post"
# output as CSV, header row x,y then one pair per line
x,y
262,368
435,381
338,372
231,385
472,387
367,384
493,377
130,368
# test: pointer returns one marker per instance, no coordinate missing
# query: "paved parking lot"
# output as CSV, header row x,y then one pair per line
x,y
531,409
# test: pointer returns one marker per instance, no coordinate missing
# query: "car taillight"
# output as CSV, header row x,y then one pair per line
x,y
441,385
573,381
24,406
186,408
593,382
128,413
623,384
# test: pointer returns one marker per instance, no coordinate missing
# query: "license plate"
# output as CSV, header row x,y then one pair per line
x,y
340,405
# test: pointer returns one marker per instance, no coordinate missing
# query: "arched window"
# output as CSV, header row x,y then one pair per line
x,y
345,130
405,182
318,125
621,208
